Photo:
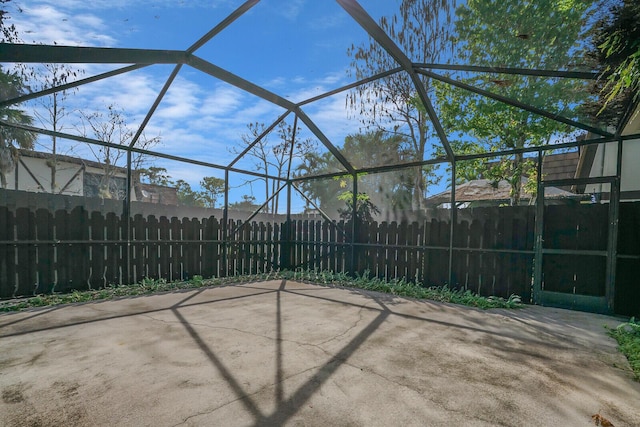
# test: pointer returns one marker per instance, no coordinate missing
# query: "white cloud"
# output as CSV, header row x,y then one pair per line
x,y
119,4
134,92
222,101
200,117
331,116
181,101
290,9
43,23
275,83
326,22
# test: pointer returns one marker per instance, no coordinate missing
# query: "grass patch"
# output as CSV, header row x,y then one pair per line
x,y
402,287
628,337
146,286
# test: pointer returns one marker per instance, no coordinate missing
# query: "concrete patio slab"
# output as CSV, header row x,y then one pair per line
x,y
287,353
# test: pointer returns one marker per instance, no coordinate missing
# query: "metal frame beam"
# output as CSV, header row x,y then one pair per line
x,y
222,25
463,157
237,81
31,53
133,149
361,16
155,105
71,85
262,135
518,71
325,141
351,85
517,104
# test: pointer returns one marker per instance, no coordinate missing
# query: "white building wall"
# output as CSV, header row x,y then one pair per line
x,y
37,171
34,174
604,163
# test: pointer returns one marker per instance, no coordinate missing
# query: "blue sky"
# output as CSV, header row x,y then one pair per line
x,y
296,49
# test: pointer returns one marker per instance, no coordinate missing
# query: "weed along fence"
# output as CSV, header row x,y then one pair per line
x,y
492,253
41,251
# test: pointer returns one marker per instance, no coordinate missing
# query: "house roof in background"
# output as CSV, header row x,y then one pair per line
x,y
560,166
485,189
64,158
152,193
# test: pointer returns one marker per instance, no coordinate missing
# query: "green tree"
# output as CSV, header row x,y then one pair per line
x,y
541,34
247,204
389,102
12,85
365,209
155,175
186,195
212,188
616,50
322,192
390,191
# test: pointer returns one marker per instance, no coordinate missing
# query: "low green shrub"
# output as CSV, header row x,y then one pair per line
x,y
400,287
628,336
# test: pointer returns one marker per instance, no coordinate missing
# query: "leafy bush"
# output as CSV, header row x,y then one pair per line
x,y
400,287
628,337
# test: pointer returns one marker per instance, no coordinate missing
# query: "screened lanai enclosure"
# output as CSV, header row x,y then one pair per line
x,y
452,143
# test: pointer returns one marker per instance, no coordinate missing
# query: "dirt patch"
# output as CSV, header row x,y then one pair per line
x,y
12,394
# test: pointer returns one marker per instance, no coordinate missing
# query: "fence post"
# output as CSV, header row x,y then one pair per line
x,y
126,228
612,249
537,257
452,218
285,235
354,226
225,225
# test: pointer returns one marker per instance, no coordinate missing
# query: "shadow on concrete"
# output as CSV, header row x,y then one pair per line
x,y
502,345
40,312
285,409
120,316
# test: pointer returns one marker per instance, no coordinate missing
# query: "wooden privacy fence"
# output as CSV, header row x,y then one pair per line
x,y
41,251
493,249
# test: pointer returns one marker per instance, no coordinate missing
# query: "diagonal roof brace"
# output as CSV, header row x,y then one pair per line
x,y
222,25
201,42
516,104
237,81
155,105
325,141
132,149
583,75
259,138
71,85
373,29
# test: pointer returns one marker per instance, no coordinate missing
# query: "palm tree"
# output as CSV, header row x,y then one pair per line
x,y
12,86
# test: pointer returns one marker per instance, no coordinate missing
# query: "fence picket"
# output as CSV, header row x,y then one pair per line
x,y
7,253
25,261
75,249
45,265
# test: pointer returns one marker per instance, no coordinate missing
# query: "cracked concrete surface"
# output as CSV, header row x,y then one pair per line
x,y
286,353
